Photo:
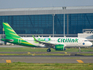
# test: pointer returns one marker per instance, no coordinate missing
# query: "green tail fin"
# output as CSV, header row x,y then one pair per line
x,y
9,32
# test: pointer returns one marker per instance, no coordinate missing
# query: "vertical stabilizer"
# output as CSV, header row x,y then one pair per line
x,y
12,37
9,32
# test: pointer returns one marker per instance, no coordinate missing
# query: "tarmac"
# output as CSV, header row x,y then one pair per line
x,y
45,59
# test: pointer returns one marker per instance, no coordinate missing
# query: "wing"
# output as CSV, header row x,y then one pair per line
x,y
46,44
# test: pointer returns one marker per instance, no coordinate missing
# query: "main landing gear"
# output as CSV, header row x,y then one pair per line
x,y
49,50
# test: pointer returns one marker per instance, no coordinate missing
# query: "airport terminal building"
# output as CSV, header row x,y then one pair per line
x,y
46,21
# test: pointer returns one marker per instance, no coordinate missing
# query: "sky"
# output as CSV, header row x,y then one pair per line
x,y
5,4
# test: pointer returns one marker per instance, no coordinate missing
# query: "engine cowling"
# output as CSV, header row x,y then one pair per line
x,y
60,47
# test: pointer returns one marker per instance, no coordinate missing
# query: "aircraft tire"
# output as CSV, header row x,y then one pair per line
x,y
48,50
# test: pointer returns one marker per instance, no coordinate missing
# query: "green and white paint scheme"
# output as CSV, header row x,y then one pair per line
x,y
58,43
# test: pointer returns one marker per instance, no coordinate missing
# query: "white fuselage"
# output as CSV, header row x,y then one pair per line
x,y
67,41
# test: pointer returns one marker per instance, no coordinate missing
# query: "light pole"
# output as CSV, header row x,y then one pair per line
x,y
53,24
3,36
64,20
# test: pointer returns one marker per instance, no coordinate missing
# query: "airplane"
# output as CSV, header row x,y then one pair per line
x,y
57,43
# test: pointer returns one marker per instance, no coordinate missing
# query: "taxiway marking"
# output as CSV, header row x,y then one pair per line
x,y
80,61
8,61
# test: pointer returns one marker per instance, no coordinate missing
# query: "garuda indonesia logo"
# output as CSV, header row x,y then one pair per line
x,y
44,39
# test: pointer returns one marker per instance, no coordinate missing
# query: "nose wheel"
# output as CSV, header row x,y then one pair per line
x,y
79,49
49,50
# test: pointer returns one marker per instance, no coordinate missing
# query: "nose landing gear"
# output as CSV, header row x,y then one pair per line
x,y
79,49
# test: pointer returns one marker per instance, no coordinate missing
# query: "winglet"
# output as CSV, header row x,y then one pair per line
x,y
34,37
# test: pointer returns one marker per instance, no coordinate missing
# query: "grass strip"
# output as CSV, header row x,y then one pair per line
x,y
30,49
46,66
84,54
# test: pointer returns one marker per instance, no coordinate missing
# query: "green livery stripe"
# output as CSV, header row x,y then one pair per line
x,y
11,34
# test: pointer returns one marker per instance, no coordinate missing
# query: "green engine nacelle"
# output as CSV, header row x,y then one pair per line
x,y
59,47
